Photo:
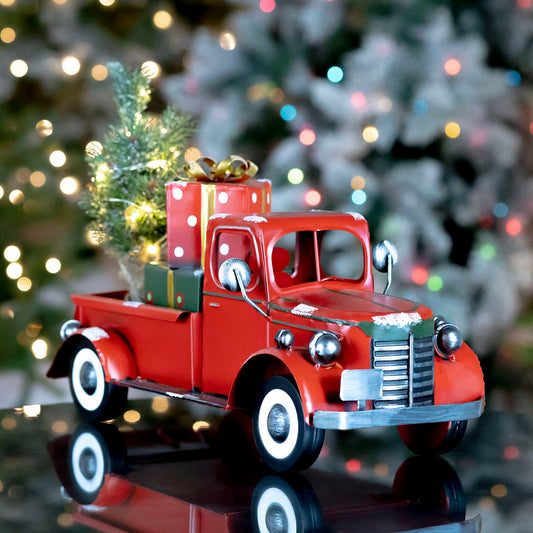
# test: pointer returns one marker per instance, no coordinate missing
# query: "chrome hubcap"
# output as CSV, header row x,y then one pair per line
x,y
88,378
276,519
278,423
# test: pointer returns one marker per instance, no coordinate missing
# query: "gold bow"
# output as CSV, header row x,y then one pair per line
x,y
233,169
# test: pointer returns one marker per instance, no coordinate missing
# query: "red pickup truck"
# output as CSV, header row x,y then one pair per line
x,y
287,330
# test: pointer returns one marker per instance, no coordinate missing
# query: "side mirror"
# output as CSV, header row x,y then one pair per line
x,y
227,274
235,275
384,257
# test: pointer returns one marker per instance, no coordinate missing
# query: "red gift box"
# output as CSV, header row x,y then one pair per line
x,y
190,204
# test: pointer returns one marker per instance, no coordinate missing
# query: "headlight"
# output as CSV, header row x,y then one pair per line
x,y
448,338
324,348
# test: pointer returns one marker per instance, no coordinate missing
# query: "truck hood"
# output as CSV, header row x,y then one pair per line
x,y
351,307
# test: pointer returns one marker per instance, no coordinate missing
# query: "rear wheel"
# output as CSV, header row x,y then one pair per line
x,y
95,398
283,439
433,439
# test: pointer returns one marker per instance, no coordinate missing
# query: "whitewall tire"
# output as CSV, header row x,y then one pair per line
x,y
284,440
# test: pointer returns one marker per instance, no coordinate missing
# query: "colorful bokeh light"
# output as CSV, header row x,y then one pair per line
x,y
353,465
307,136
267,6
452,67
358,100
435,283
513,227
335,74
419,275
288,113
313,198
295,176
359,197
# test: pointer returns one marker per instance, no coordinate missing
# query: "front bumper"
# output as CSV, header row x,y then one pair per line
x,y
398,416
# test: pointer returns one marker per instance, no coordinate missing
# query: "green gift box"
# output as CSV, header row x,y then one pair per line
x,y
179,288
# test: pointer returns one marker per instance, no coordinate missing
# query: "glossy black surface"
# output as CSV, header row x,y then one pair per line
x,y
175,466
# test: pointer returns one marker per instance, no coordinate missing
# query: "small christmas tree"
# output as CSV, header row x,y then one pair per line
x,y
126,199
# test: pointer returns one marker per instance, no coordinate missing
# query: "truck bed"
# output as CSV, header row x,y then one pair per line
x,y
166,343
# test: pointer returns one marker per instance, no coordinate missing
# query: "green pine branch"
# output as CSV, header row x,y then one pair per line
x,y
126,200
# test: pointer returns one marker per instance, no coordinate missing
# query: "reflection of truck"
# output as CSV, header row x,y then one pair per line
x,y
282,332
152,481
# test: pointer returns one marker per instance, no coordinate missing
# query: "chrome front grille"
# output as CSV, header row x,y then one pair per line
x,y
407,381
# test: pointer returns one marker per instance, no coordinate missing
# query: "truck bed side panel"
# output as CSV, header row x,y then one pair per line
x,y
163,340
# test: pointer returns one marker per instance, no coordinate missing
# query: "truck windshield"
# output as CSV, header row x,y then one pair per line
x,y
307,256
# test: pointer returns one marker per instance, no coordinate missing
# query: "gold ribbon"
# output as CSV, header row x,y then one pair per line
x,y
170,288
233,169
207,209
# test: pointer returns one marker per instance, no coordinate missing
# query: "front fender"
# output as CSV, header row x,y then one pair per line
x,y
459,380
318,386
112,349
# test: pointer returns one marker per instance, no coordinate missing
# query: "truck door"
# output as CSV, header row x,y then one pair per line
x,y
233,330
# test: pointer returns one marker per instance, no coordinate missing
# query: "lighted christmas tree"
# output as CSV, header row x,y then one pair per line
x,y
126,199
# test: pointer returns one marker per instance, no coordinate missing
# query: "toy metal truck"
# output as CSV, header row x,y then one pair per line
x,y
277,325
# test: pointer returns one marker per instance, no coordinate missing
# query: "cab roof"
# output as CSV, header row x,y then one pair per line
x,y
301,221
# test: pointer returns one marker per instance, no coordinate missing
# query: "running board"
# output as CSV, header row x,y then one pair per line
x,y
174,392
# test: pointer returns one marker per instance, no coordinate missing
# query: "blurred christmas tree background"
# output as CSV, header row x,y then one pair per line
x,y
416,113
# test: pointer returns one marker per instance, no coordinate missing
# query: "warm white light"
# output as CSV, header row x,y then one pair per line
x,y
69,185
44,128
39,349
370,134
14,270
1,191
31,411
94,148
7,35
70,65
132,416
53,265
24,284
160,404
107,3
16,196
151,69
99,72
192,154
152,249
200,424
12,253
163,20
19,68
57,158
227,41
37,178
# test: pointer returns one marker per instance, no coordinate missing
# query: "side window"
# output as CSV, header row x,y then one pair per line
x,y
293,259
229,244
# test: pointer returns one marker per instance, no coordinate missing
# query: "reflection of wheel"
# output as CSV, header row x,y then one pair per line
x,y
285,505
95,398
432,483
94,451
433,439
89,462
283,439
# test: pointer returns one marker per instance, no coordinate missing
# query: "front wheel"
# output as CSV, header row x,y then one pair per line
x,y
433,439
95,398
284,440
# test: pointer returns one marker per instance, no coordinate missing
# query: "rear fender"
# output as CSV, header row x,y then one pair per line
x,y
114,353
313,382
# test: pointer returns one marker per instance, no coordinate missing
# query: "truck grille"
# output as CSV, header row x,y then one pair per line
x,y
406,381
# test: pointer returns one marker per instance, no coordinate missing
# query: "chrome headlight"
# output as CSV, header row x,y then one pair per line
x,y
324,348
448,338
284,338
68,328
